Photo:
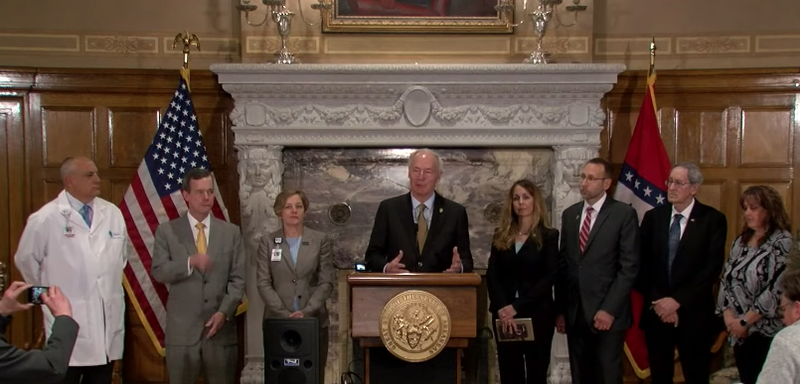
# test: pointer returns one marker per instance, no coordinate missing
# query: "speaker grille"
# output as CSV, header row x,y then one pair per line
x,y
291,348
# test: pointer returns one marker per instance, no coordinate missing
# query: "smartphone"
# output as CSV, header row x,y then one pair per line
x,y
35,293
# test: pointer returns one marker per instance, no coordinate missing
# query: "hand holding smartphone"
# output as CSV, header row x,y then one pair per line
x,y
35,294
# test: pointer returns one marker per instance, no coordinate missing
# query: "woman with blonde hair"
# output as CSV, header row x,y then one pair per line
x,y
522,271
748,297
295,269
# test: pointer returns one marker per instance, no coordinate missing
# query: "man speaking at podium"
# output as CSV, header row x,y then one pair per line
x,y
420,231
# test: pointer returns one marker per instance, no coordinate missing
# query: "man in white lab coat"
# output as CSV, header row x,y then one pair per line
x,y
77,242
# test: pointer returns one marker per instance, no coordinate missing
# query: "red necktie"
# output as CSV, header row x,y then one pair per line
x,y
585,227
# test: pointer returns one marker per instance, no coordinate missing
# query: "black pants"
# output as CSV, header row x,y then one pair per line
x,y
595,357
514,358
693,340
96,374
750,356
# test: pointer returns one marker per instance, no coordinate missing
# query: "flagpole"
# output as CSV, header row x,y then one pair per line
x,y
652,57
188,40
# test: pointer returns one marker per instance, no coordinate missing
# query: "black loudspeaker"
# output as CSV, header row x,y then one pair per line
x,y
291,351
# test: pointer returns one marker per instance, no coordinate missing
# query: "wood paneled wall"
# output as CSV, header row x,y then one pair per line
x,y
110,116
741,127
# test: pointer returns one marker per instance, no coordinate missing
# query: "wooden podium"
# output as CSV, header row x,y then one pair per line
x,y
369,293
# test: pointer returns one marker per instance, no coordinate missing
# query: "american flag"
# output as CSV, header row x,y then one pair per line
x,y
154,197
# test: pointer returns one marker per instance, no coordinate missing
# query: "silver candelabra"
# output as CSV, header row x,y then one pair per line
x,y
282,17
543,14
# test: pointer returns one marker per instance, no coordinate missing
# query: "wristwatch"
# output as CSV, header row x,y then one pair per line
x,y
743,322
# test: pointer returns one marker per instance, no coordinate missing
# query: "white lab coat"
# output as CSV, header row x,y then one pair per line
x,y
58,248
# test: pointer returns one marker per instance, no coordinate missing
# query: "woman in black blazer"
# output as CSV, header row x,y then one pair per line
x,y
520,278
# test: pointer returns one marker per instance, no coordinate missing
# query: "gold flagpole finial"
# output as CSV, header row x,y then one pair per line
x,y
652,56
187,40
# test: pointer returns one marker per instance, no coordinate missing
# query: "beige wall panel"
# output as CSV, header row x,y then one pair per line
x,y
202,17
131,131
694,17
39,42
701,137
67,132
766,137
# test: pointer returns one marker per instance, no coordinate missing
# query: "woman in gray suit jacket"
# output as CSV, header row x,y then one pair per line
x,y
295,269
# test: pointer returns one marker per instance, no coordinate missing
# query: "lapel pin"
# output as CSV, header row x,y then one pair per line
x,y
692,220
304,243
441,210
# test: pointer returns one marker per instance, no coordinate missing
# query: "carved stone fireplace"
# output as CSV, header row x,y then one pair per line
x,y
355,124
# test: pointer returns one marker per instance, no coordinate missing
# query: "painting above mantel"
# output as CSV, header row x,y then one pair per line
x,y
416,16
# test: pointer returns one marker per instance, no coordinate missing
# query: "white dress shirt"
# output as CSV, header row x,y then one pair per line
x,y
596,206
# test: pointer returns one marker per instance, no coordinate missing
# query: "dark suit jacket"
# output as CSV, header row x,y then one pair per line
x,y
696,268
312,278
48,365
194,298
602,277
532,273
394,230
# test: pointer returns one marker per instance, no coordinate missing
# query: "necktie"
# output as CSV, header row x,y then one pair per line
x,y
202,244
86,213
422,227
674,240
586,227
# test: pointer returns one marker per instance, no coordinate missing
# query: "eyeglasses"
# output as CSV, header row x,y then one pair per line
x,y
677,183
782,310
591,178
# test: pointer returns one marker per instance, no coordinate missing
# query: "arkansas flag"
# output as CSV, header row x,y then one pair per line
x,y
641,184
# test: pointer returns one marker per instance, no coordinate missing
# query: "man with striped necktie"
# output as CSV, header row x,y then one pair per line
x,y
598,265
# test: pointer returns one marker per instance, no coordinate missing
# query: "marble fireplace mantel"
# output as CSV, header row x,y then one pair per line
x,y
553,106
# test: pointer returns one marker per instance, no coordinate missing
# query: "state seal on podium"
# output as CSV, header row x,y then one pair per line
x,y
415,326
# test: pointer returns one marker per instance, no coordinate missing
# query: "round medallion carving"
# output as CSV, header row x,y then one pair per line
x,y
417,107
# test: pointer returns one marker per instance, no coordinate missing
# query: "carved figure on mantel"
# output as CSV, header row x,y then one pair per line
x,y
260,179
568,165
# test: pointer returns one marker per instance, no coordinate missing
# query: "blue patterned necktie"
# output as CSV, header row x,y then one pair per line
x,y
674,240
86,213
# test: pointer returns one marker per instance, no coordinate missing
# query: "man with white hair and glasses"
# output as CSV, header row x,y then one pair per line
x,y
783,361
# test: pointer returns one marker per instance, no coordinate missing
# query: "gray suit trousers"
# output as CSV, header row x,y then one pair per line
x,y
216,362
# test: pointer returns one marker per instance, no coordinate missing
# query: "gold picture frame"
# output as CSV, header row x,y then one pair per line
x,y
415,16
